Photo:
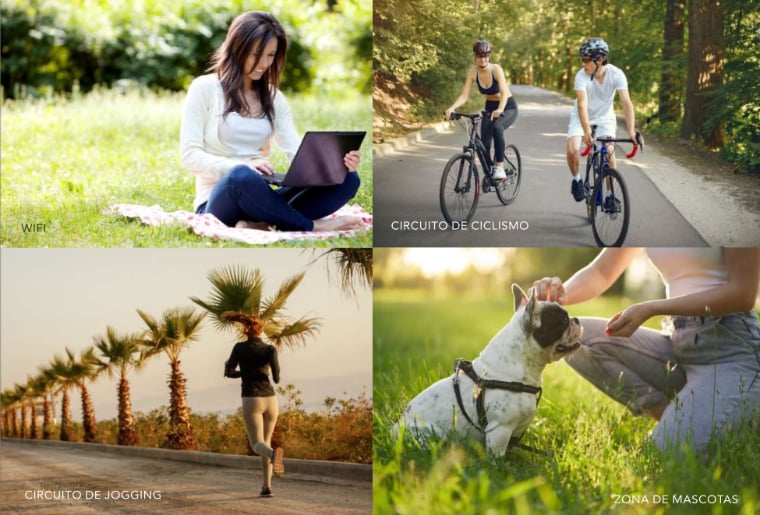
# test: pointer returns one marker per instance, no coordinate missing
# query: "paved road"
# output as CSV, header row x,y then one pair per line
x,y
159,486
406,184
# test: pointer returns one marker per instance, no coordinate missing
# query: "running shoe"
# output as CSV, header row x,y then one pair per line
x,y
612,204
576,189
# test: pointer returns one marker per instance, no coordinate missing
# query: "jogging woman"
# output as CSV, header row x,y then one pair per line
x,y
256,359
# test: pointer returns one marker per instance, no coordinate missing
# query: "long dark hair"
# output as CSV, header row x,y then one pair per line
x,y
245,32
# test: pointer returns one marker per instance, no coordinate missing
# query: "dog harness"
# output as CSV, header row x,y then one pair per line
x,y
483,385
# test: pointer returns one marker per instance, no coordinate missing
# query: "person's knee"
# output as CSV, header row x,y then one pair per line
x,y
242,174
352,183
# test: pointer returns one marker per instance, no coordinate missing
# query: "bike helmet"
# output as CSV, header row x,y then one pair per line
x,y
481,47
594,48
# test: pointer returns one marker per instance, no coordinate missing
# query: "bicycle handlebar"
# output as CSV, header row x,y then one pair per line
x,y
457,116
636,144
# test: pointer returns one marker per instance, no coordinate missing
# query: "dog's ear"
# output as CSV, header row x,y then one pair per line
x,y
521,299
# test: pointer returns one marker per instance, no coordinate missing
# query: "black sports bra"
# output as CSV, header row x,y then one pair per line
x,y
493,89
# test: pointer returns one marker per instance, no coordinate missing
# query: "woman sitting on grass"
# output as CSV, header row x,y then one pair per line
x,y
700,377
256,359
228,120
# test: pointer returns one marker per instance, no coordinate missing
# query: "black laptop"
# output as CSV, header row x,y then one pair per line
x,y
319,159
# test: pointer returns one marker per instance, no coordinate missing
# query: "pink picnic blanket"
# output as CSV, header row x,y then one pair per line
x,y
210,226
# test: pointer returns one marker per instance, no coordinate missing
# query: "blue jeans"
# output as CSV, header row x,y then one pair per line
x,y
705,369
494,130
243,194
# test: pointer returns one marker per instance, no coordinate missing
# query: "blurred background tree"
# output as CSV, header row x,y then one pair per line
x,y
485,273
60,46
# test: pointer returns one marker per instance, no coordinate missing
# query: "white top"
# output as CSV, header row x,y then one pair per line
x,y
600,96
689,270
209,156
243,135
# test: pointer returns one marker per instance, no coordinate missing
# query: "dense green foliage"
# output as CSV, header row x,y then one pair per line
x,y
426,45
58,45
593,451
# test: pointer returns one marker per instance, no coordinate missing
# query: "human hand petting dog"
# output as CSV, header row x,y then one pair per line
x,y
551,289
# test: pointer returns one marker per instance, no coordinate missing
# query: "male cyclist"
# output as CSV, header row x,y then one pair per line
x,y
595,86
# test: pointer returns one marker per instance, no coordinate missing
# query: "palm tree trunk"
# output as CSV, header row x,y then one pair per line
x,y
180,434
14,424
24,424
65,417
34,433
47,420
127,429
88,415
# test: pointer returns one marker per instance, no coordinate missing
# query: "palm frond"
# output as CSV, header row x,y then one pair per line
x,y
354,267
118,351
295,334
176,328
234,288
272,306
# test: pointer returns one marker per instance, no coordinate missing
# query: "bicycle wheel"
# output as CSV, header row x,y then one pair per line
x,y
460,189
611,214
507,189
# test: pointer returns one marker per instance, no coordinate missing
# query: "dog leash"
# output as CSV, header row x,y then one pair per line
x,y
485,384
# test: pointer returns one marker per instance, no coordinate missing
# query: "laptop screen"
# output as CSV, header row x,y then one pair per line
x,y
319,159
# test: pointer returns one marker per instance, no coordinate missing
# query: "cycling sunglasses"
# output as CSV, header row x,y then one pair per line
x,y
586,59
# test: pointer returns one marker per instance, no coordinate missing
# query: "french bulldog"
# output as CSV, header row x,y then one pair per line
x,y
539,332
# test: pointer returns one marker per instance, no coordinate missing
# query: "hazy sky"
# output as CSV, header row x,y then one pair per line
x,y
57,298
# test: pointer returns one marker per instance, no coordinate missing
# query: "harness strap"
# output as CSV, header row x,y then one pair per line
x,y
484,384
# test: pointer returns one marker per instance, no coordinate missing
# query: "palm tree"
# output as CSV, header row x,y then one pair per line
x,y
176,329
61,370
31,393
235,288
121,352
13,399
8,403
83,370
21,396
354,267
45,384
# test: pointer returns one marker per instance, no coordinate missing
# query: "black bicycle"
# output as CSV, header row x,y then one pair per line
x,y
607,204
460,183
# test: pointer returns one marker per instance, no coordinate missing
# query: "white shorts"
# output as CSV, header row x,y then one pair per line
x,y
605,127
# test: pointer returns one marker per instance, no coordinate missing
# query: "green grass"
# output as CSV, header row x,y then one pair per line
x,y
65,161
594,448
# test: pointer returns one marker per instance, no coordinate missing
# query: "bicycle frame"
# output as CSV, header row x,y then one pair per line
x,y
476,146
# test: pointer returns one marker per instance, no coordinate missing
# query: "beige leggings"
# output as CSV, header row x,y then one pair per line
x,y
260,416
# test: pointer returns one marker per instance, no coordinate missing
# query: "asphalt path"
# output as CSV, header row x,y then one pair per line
x,y
62,479
406,185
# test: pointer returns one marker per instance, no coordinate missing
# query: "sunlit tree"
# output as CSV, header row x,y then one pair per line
x,y
120,353
176,329
238,289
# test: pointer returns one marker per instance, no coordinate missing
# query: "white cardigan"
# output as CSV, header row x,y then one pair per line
x,y
201,150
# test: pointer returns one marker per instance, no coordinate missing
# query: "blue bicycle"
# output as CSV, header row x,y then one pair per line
x,y
460,183
607,205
